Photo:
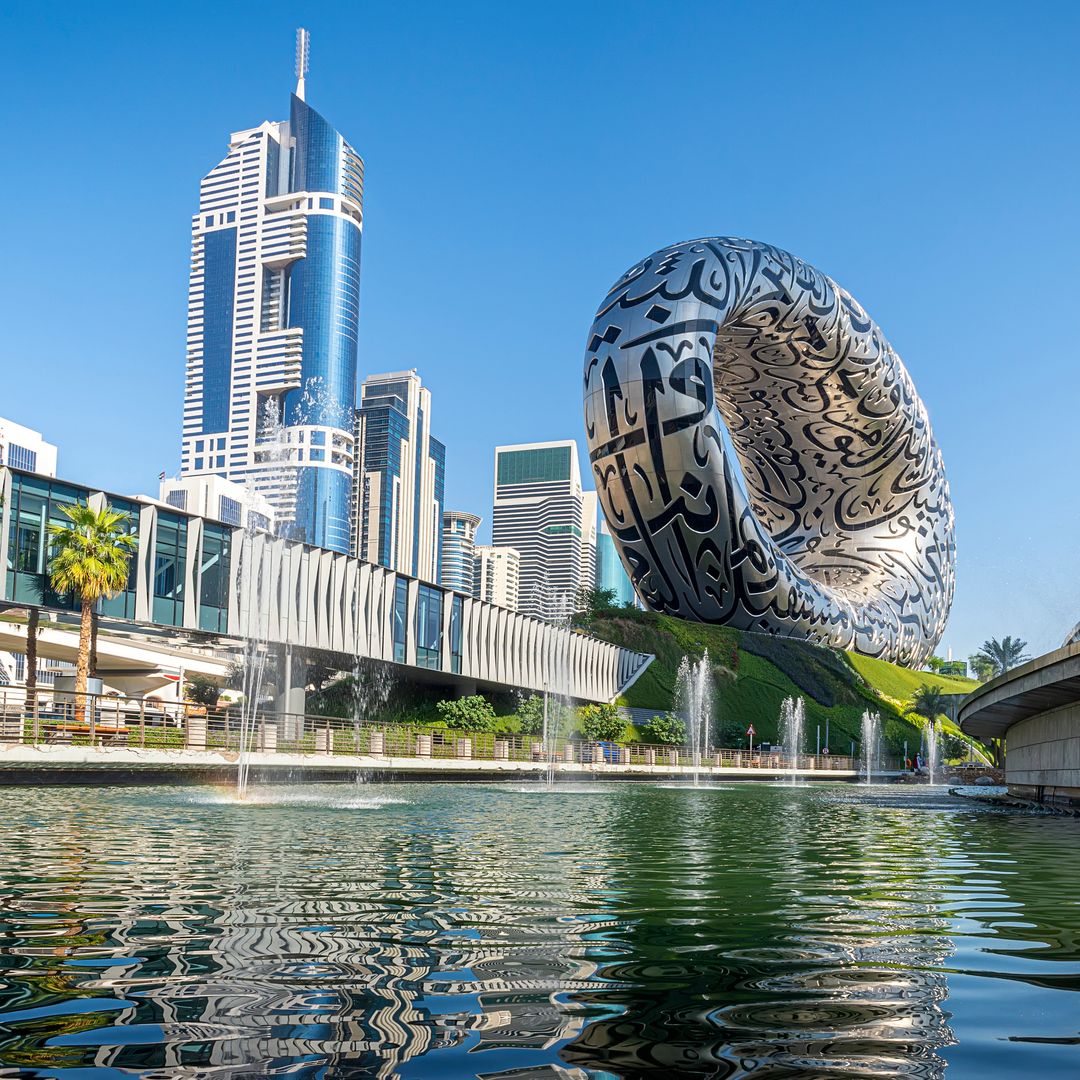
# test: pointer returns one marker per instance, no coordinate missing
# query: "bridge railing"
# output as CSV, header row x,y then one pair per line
x,y
58,719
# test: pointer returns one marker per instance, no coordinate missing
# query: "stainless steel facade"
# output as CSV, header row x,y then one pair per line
x,y
761,455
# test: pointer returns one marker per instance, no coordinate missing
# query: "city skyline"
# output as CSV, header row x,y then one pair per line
x,y
496,133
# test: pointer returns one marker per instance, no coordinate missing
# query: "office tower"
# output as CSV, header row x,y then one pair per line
x,y
496,576
26,449
541,512
272,319
219,499
610,572
458,550
399,478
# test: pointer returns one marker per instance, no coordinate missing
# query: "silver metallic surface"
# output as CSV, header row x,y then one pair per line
x,y
761,455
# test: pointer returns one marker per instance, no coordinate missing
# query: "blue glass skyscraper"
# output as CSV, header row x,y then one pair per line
x,y
272,320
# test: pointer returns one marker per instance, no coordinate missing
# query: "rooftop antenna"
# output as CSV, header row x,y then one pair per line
x,y
303,48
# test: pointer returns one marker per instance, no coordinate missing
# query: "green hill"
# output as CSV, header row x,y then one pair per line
x,y
754,673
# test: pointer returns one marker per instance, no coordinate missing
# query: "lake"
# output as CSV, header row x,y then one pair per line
x,y
619,929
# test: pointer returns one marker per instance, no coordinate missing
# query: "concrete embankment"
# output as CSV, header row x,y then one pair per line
x,y
64,764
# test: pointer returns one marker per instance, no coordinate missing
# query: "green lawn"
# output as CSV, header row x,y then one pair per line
x,y
900,683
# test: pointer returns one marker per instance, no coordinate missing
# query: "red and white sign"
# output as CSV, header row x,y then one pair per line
x,y
750,730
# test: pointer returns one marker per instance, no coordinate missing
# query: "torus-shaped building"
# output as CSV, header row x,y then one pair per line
x,y
761,455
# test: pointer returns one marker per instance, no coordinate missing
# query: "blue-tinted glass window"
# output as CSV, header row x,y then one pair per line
x,y
21,458
429,627
220,461
325,203
208,221
400,619
198,463
229,510
219,282
214,578
170,561
231,215
318,438
199,446
317,455
456,616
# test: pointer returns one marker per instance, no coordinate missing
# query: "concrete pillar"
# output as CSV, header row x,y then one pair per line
x,y
292,700
502,750
322,740
268,737
624,755
195,731
377,743
650,756
673,758
598,754
464,748
423,746
568,753
537,751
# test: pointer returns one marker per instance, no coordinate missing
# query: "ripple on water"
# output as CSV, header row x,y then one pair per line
x,y
461,930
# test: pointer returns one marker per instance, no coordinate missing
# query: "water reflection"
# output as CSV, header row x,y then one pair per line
x,y
458,931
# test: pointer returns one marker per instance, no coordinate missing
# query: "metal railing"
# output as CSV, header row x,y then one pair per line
x,y
51,718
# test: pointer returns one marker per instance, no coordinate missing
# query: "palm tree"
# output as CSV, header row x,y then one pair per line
x,y
1004,654
32,625
928,702
90,559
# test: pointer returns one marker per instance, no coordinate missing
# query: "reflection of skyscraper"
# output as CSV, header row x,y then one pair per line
x,y
541,511
458,550
400,477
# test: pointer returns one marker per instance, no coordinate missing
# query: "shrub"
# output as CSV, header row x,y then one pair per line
x,y
472,713
665,729
202,690
531,715
601,722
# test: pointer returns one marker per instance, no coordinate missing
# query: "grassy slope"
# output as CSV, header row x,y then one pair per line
x,y
901,683
837,687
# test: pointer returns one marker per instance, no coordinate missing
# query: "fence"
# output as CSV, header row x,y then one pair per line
x,y
109,721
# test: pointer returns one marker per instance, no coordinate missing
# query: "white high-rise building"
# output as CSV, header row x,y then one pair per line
x,y
219,499
26,449
458,550
496,576
400,477
541,511
273,308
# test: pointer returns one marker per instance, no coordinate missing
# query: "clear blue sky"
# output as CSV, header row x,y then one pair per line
x,y
519,158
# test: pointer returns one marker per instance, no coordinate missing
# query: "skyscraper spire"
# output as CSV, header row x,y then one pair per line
x,y
303,48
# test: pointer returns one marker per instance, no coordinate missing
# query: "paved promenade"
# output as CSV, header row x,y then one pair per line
x,y
65,764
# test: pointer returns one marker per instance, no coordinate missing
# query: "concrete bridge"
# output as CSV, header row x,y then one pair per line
x,y
201,587
1035,708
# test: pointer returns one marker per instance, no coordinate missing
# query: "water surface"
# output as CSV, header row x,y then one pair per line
x,y
455,931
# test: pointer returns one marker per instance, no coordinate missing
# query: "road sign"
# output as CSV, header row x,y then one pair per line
x,y
750,730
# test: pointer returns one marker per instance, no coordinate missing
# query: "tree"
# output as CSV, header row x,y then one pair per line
x,y
593,602
202,690
473,713
928,702
531,715
935,664
601,723
1004,654
981,667
90,560
32,626
667,729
